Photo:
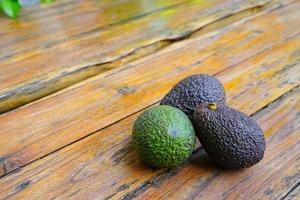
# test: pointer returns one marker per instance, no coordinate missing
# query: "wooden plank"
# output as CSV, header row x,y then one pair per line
x,y
275,174
79,19
69,20
31,132
107,144
63,20
35,66
104,165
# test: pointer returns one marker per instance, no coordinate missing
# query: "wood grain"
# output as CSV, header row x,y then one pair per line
x,y
105,166
276,173
44,126
35,64
76,17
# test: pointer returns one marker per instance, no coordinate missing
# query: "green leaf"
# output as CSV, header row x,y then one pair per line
x,y
10,7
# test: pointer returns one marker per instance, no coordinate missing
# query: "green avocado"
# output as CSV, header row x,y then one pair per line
x,y
231,138
163,136
192,91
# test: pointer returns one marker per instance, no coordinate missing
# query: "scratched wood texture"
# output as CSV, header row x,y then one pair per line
x,y
76,143
105,166
91,105
37,63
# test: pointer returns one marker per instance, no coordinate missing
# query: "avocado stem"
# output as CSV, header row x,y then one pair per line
x,y
212,106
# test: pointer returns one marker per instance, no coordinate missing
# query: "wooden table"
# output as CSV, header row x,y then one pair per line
x,y
74,75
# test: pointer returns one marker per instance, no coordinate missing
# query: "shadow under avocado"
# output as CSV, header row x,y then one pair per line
x,y
202,160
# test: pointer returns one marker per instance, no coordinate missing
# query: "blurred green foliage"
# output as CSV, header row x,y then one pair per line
x,y
12,7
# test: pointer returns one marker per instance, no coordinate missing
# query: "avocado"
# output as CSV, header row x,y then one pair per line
x,y
163,136
231,138
192,91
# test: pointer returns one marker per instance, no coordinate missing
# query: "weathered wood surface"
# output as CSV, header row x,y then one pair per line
x,y
39,57
76,143
32,131
105,165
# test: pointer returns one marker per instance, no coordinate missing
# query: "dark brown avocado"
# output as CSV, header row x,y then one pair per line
x,y
192,91
231,138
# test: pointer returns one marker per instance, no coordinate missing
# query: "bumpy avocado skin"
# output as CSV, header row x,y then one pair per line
x,y
163,136
192,91
231,138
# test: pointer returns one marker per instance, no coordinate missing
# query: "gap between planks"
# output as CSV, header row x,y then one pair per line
x,y
293,193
